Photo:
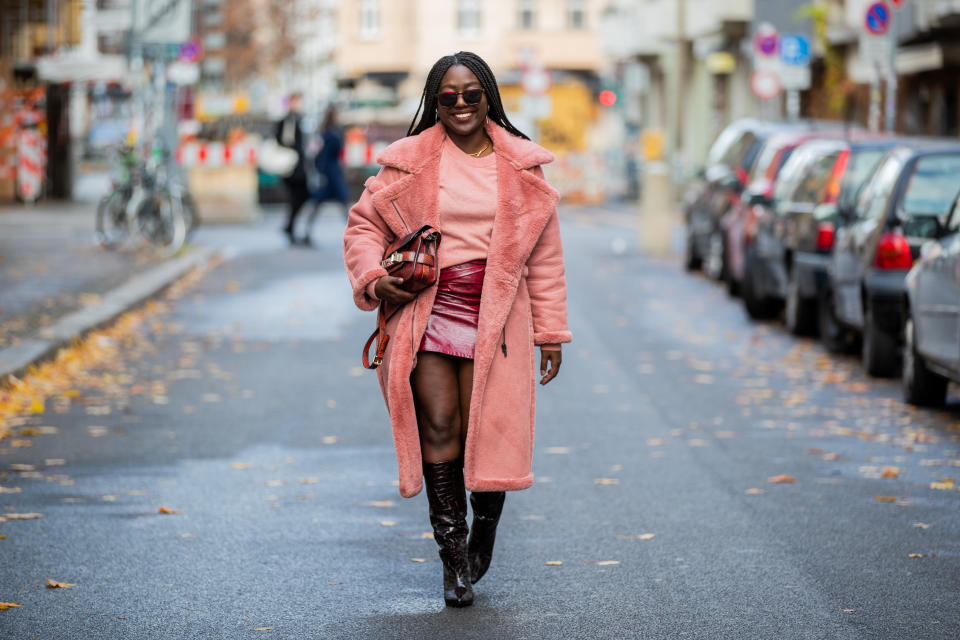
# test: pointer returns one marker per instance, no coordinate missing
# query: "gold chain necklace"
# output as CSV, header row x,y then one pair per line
x,y
477,154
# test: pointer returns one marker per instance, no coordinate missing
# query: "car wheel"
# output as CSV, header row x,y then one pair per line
x,y
878,352
800,313
757,308
713,265
692,261
834,337
921,386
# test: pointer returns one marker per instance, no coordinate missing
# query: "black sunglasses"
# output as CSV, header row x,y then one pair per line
x,y
449,98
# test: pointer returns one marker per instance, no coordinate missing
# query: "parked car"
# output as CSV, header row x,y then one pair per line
x,y
739,223
896,212
718,189
931,350
797,236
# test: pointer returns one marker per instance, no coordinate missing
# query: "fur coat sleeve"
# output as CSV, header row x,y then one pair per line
x,y
546,283
366,237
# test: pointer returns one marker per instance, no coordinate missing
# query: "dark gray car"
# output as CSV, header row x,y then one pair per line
x,y
896,212
931,354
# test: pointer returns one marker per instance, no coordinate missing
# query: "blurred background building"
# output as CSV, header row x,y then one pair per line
x,y
607,85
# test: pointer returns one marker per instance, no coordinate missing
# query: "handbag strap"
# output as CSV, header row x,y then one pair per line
x,y
381,337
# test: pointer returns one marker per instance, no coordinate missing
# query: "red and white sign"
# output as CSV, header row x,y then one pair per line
x,y
765,84
216,154
31,156
766,41
897,4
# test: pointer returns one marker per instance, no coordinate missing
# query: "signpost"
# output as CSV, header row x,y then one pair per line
x,y
794,69
878,46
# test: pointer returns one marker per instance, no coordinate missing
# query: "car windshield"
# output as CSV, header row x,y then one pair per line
x,y
933,185
860,167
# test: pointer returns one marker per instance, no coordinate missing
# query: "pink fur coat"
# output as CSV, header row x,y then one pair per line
x,y
523,300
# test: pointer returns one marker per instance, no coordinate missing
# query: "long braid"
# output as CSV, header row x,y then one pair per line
x,y
476,64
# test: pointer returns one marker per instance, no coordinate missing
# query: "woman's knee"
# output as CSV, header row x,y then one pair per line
x,y
440,426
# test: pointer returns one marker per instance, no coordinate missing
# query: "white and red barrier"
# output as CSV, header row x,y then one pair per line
x,y
31,160
217,154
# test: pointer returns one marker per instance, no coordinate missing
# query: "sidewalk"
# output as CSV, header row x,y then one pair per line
x,y
57,283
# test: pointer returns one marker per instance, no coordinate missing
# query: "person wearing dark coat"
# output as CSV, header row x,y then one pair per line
x,y
332,185
289,135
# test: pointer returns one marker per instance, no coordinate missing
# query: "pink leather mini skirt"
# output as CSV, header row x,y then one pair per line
x,y
452,327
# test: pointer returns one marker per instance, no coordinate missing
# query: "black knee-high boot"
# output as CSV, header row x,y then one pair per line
x,y
487,506
448,515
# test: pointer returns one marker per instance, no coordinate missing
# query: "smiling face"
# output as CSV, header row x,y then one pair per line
x,y
462,119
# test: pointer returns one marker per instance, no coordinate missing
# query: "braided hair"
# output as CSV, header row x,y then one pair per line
x,y
428,100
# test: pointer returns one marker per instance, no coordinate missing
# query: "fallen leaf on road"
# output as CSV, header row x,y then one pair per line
x,y
239,465
780,479
380,503
606,481
53,584
944,484
8,605
167,510
387,523
553,563
329,440
642,536
21,467
97,432
915,555
418,559
724,435
187,535
308,480
21,443
654,442
427,535
753,491
605,563
36,406
885,498
829,457
10,489
274,483
20,516
921,525
848,610
890,472
263,628
55,462
856,387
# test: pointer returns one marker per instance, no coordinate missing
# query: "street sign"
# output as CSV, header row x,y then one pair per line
x,y
191,51
766,41
876,20
163,21
765,84
794,50
535,80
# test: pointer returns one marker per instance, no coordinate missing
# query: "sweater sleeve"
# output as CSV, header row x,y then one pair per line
x,y
547,285
364,240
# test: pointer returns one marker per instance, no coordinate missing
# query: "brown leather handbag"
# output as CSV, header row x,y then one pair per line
x,y
413,258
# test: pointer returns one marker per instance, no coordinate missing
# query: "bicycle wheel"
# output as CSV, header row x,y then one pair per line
x,y
112,229
190,213
160,220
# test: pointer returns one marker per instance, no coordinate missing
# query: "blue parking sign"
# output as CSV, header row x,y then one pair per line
x,y
795,50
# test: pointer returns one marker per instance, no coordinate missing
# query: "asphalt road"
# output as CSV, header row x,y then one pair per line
x,y
240,404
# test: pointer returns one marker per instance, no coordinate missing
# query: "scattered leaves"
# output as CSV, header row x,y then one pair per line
x,y
167,510
945,484
53,584
780,479
8,605
890,472
20,516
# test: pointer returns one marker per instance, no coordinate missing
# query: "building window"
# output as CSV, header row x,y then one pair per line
x,y
576,14
527,14
369,19
468,18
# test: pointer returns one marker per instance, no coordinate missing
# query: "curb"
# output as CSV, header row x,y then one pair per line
x,y
45,343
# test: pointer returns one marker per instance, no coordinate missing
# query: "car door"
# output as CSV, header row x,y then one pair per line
x,y
936,304
848,267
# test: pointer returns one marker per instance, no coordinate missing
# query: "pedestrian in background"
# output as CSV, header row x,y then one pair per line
x,y
458,374
289,135
332,186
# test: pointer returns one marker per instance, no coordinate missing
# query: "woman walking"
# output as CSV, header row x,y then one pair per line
x,y
458,374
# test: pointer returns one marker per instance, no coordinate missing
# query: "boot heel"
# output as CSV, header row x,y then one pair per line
x,y
487,507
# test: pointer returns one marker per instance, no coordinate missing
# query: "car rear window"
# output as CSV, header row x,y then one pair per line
x,y
931,190
860,167
770,154
813,185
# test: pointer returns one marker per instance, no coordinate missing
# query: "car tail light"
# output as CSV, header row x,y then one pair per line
x,y
825,236
836,178
893,252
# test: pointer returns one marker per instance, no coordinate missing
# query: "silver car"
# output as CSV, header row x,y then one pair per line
x,y
932,333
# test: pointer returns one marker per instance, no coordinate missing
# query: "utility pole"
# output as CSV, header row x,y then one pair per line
x,y
890,121
681,75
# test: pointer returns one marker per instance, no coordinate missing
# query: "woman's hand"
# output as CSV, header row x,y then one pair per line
x,y
388,288
552,358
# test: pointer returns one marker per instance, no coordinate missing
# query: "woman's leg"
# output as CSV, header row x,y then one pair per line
x,y
465,379
436,392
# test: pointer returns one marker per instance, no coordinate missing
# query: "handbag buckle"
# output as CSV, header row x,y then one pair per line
x,y
392,259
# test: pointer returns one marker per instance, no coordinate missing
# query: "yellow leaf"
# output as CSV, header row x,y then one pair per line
x,y
427,534
71,393
53,584
36,406
921,525
167,510
890,472
943,486
553,563
20,516
263,628
848,610
8,605
239,465
915,555
885,498
380,503
780,479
